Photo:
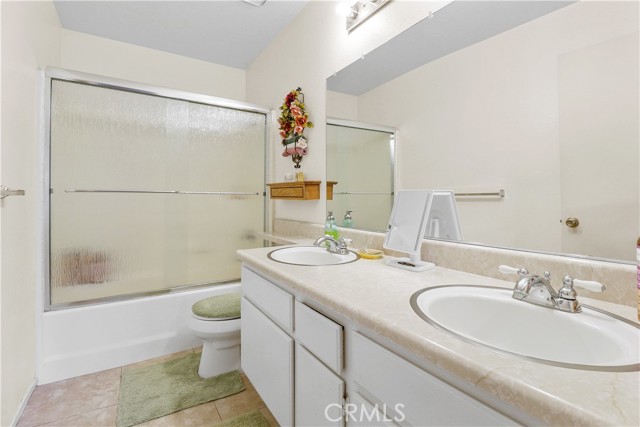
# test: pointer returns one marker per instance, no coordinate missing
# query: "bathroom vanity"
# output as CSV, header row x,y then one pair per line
x,y
340,345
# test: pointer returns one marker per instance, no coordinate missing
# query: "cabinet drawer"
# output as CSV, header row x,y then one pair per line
x,y
273,301
320,335
285,193
416,396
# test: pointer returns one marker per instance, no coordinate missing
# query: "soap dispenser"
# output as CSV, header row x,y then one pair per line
x,y
347,222
330,228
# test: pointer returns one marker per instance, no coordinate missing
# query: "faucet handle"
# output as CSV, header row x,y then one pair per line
x,y
344,241
505,269
589,285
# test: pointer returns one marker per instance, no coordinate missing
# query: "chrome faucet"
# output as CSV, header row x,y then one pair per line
x,y
334,246
537,290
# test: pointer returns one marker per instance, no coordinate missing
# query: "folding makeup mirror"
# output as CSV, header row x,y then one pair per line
x,y
443,217
407,226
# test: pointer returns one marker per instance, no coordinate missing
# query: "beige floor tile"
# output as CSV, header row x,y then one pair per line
x,y
241,403
91,401
269,416
72,397
197,416
105,417
161,359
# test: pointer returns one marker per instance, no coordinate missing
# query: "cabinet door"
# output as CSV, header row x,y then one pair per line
x,y
267,359
412,395
319,392
362,413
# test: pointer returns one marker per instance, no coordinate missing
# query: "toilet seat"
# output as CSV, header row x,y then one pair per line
x,y
212,319
217,308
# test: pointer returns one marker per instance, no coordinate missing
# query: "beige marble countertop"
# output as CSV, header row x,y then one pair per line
x,y
376,296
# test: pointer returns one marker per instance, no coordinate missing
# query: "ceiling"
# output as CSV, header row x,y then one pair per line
x,y
226,32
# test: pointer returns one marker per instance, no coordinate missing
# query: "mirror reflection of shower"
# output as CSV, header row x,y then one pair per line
x,y
360,157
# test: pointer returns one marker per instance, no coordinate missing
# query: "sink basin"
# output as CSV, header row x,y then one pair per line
x,y
592,339
310,255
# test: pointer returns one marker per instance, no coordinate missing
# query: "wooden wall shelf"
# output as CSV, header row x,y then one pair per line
x,y
299,190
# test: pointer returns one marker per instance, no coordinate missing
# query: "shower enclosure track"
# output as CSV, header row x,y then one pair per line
x,y
215,193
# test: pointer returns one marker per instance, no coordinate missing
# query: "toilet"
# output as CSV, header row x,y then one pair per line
x,y
216,321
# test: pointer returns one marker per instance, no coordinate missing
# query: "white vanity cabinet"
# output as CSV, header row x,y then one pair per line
x,y
298,361
301,387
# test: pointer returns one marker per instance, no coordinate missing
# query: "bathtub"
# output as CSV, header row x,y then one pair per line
x,y
83,340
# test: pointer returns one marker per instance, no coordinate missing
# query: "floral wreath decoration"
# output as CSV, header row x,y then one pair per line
x,y
293,120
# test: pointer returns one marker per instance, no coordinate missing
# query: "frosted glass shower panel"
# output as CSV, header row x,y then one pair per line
x,y
116,228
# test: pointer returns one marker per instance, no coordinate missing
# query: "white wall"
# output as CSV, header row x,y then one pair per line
x,y
30,39
497,102
313,47
97,55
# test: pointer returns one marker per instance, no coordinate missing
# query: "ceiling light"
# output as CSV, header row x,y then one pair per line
x,y
361,10
255,2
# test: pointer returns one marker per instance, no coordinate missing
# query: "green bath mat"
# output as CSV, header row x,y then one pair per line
x,y
252,419
154,391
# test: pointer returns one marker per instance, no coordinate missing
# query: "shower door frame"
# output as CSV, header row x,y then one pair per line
x,y
49,75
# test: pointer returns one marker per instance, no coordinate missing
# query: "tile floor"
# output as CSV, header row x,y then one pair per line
x,y
92,400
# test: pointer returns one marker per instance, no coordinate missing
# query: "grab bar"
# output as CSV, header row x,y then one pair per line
x,y
217,193
499,193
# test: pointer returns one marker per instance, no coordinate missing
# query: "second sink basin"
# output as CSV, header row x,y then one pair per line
x,y
592,339
310,255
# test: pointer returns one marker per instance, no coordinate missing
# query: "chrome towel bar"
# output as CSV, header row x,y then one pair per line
x,y
499,193
6,192
363,193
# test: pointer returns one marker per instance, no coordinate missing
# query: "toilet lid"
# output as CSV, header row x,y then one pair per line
x,y
220,307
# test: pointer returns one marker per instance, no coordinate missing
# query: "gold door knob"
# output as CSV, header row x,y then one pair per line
x,y
572,222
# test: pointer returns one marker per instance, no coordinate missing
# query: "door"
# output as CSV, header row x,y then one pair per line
x,y
599,129
146,193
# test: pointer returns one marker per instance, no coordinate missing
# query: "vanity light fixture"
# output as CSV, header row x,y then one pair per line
x,y
255,2
361,10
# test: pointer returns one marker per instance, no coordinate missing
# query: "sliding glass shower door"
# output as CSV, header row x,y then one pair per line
x,y
149,193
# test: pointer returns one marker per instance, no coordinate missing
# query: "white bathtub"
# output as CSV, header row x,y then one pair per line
x,y
83,340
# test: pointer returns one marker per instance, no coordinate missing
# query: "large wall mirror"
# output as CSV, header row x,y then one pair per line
x,y
539,99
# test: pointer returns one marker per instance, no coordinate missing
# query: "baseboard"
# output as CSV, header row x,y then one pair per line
x,y
23,403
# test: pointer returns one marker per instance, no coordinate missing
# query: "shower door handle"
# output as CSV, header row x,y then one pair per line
x,y
6,192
